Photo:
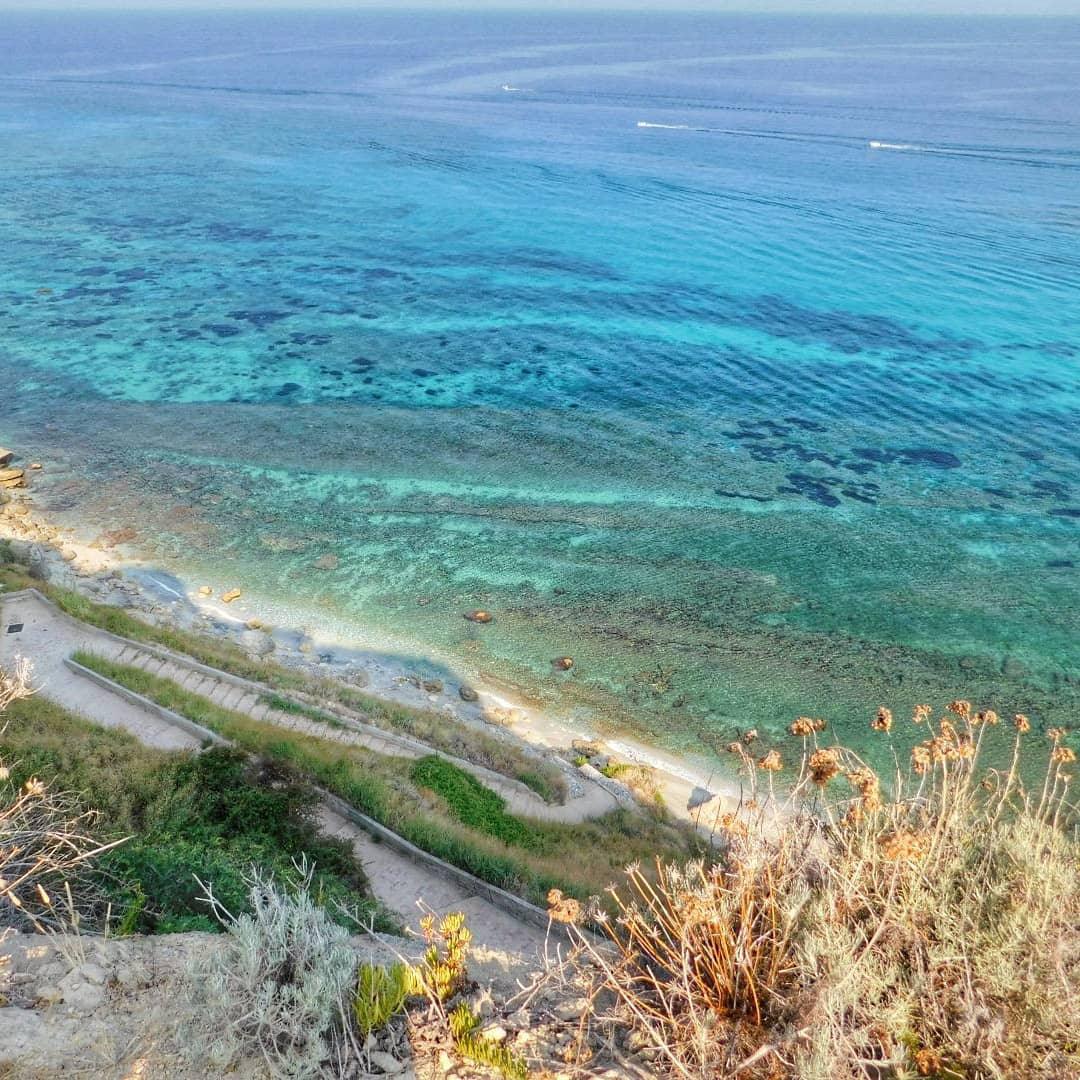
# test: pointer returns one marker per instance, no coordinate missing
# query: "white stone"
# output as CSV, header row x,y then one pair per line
x,y
386,1063
21,1032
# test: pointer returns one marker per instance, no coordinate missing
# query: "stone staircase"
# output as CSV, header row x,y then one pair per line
x,y
345,727
250,701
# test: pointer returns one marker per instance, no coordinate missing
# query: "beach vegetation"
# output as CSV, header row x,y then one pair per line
x,y
48,841
459,739
477,806
381,994
280,990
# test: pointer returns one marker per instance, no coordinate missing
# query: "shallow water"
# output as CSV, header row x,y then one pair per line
x,y
652,354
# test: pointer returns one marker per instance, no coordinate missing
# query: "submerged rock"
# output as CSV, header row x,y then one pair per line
x,y
12,478
480,616
231,595
123,535
327,562
467,693
563,663
6,455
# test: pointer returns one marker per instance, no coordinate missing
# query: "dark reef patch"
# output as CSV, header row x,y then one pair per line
x,y
259,318
724,494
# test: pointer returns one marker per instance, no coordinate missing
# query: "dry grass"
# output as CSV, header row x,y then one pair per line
x,y
864,929
46,841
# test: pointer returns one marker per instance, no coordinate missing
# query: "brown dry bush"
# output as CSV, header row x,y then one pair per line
x,y
858,929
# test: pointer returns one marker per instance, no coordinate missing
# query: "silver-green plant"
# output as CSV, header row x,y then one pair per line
x,y
279,989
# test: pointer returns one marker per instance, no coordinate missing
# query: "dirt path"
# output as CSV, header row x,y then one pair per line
x,y
505,946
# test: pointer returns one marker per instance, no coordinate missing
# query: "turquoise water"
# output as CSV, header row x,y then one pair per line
x,y
617,327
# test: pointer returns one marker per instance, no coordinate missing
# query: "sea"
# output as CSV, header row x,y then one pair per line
x,y
736,358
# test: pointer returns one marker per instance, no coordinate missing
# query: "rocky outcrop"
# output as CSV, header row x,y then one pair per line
x,y
116,1008
93,1005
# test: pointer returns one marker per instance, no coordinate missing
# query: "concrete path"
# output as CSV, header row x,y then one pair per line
x,y
45,624
504,946
47,641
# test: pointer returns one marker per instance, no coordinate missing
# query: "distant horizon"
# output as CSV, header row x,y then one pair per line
x,y
928,8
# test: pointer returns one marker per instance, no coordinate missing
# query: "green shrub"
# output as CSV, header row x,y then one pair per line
x,y
212,815
382,788
473,804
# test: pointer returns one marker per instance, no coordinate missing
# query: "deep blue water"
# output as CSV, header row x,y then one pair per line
x,y
618,326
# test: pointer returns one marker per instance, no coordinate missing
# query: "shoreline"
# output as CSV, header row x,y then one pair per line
x,y
105,570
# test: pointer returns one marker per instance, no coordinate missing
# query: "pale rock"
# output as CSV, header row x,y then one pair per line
x,y
231,595
257,642
49,995
84,996
571,1010
92,973
493,1033
482,1004
386,1063
22,1032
